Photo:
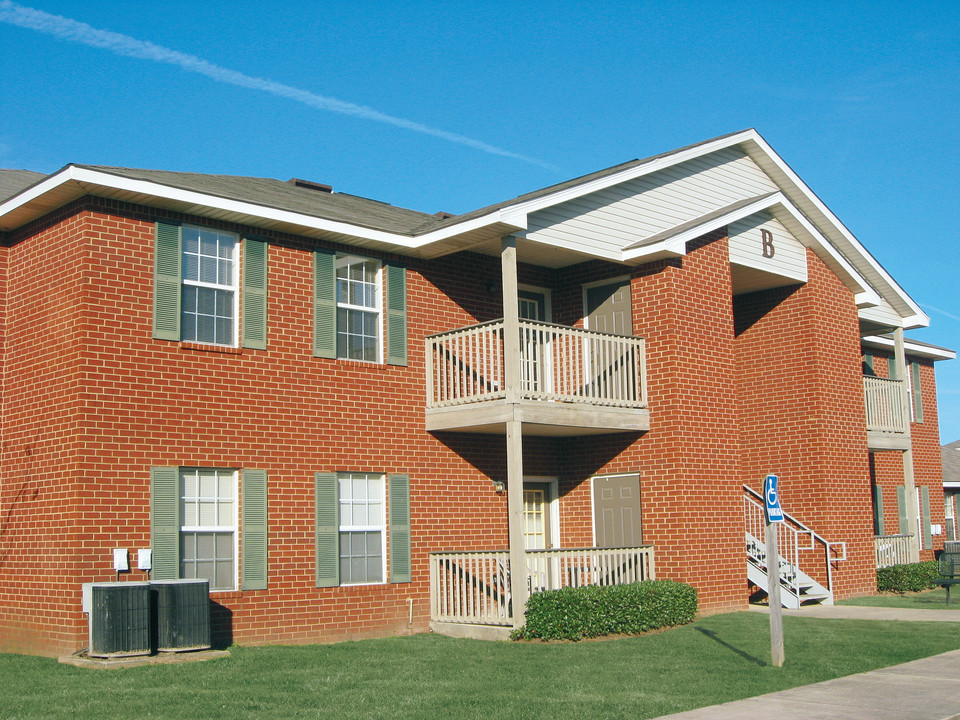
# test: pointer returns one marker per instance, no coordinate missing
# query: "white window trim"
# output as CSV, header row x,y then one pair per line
x,y
235,528
382,528
340,261
234,287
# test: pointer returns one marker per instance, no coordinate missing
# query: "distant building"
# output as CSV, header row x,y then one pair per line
x,y
950,456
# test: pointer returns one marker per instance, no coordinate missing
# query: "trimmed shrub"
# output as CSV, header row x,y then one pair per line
x,y
912,577
587,612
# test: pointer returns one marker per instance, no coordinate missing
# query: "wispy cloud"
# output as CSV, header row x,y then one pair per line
x,y
927,306
78,32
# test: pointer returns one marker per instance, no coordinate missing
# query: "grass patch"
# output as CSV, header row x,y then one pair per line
x,y
928,600
714,660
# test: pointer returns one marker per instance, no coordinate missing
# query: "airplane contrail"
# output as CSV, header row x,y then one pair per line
x,y
78,32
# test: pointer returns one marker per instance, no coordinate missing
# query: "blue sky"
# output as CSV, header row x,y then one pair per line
x,y
448,106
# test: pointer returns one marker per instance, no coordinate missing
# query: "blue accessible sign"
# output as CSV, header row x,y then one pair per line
x,y
771,498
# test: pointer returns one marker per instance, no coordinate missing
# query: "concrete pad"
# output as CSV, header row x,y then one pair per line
x,y
85,661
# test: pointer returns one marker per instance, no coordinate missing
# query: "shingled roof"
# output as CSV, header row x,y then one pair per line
x,y
950,456
15,181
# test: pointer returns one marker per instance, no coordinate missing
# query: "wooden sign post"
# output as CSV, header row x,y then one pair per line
x,y
774,517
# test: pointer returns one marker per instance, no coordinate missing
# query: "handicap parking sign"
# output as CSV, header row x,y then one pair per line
x,y
771,499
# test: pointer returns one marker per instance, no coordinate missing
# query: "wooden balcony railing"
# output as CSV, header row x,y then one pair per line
x,y
892,549
474,587
558,363
886,412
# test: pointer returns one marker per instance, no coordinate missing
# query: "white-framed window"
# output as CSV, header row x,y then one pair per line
x,y
359,319
208,536
363,540
209,300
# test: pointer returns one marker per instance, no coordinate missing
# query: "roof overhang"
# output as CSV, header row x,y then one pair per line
x,y
911,347
795,202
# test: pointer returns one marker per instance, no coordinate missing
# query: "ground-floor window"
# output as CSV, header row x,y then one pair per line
x,y
362,528
208,534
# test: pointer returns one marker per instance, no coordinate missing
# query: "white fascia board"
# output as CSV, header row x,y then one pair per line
x,y
855,244
676,245
516,220
146,187
864,292
32,193
911,348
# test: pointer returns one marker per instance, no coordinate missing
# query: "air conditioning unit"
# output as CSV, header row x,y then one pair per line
x,y
118,616
183,614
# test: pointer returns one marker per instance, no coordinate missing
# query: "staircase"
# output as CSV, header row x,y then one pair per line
x,y
797,588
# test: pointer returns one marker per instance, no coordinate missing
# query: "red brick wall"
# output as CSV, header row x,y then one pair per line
x,y
93,401
801,414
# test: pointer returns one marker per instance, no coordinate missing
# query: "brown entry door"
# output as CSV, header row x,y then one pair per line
x,y
608,308
616,511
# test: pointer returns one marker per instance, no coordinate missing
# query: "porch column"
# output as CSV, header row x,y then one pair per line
x,y
511,319
910,488
511,376
518,558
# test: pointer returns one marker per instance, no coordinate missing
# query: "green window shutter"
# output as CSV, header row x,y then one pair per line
x,y
254,293
877,510
324,305
902,508
925,520
253,530
917,393
165,522
396,315
892,368
166,282
400,528
327,518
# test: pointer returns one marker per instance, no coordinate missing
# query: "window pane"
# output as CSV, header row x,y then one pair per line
x,y
189,546
224,577
205,545
208,484
225,514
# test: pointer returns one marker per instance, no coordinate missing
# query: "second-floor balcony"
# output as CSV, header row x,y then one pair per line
x,y
571,381
888,418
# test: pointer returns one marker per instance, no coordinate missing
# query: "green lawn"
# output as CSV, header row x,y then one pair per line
x,y
719,658
927,600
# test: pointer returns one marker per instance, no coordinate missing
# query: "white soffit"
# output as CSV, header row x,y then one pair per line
x,y
911,347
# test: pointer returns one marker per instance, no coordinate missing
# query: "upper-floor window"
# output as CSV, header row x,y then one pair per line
x,y
204,292
358,308
208,308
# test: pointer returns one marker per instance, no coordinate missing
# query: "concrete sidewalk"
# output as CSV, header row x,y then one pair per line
x,y
925,689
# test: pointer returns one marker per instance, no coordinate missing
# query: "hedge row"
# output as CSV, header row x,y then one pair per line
x,y
913,577
586,612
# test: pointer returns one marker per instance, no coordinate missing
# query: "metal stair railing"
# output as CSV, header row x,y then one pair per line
x,y
792,538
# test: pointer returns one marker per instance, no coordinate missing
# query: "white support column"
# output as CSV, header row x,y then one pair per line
x,y
518,557
511,319
511,376
910,488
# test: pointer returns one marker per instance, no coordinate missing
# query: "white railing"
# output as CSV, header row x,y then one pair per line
x,y
892,549
793,537
474,587
885,407
557,363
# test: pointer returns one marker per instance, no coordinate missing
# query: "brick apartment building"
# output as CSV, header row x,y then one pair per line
x,y
354,419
